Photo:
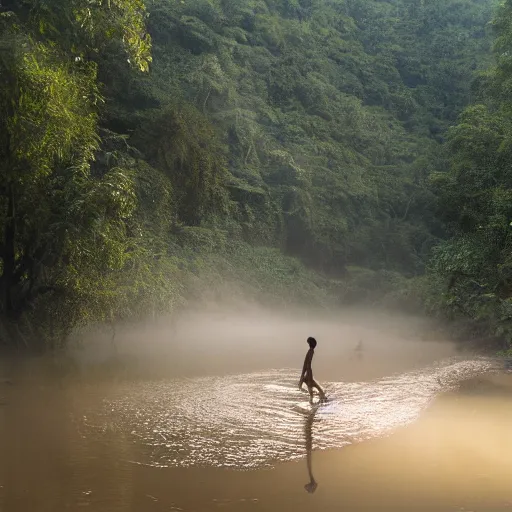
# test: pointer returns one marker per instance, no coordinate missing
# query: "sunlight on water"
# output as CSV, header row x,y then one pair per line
x,y
255,420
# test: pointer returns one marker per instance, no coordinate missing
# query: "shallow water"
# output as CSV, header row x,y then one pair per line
x,y
251,441
256,420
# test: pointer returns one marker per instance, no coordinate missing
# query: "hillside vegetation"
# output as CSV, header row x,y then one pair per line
x,y
287,150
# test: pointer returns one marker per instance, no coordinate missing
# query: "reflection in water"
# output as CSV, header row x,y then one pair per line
x,y
255,420
308,434
95,445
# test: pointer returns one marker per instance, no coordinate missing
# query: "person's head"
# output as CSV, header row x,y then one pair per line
x,y
311,487
311,342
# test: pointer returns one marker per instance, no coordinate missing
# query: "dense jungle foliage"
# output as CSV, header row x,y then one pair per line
x,y
472,268
287,150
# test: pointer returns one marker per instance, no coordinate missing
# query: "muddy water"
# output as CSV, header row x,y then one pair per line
x,y
429,438
256,420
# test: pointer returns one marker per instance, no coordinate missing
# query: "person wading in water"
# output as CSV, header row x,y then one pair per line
x,y
307,373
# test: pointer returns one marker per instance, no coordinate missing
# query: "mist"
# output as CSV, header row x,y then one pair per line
x,y
227,339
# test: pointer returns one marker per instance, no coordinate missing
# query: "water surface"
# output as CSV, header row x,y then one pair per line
x,y
256,420
432,436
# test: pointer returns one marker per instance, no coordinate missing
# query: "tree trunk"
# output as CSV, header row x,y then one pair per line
x,y
9,255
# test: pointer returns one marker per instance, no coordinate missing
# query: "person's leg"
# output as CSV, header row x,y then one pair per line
x,y
310,389
314,384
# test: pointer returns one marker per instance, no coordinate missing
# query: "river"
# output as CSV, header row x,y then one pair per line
x,y
411,433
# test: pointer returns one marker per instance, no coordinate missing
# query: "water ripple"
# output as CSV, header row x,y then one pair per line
x,y
254,420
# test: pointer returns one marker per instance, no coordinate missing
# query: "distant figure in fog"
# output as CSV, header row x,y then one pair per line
x,y
359,350
307,372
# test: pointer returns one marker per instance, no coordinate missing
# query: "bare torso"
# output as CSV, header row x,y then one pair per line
x,y
308,371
